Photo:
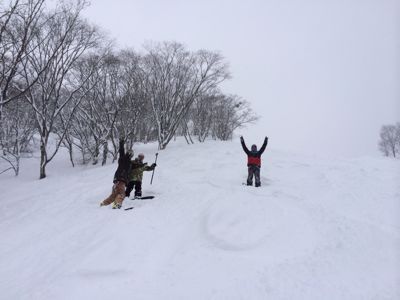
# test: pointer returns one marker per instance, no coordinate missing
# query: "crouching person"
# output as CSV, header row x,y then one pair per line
x,y
121,177
136,176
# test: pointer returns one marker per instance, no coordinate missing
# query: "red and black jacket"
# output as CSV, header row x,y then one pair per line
x,y
254,157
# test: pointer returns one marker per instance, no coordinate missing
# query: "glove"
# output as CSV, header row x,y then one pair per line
x,y
154,165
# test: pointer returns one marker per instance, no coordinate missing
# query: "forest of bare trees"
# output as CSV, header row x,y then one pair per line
x,y
62,80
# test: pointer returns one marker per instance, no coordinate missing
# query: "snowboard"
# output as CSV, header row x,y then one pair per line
x,y
143,198
139,198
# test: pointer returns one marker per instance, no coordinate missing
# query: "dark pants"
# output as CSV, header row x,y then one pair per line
x,y
254,171
138,188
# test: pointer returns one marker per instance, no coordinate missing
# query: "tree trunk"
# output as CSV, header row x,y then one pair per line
x,y
17,166
84,161
105,152
71,156
1,123
18,154
43,160
96,154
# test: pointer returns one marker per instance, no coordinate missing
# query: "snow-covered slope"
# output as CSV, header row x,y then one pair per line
x,y
316,229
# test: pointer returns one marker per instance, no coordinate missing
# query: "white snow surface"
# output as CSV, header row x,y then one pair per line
x,y
317,229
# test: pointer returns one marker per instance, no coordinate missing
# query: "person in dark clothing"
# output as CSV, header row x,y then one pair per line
x,y
121,178
136,175
254,161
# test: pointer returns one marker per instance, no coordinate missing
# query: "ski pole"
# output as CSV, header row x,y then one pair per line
x,y
152,175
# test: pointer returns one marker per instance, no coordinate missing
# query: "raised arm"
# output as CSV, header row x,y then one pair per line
x,y
244,146
121,148
263,146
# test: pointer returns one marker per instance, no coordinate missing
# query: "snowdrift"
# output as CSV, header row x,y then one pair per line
x,y
316,229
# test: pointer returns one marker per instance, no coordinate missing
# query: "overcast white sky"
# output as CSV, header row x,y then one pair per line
x,y
323,75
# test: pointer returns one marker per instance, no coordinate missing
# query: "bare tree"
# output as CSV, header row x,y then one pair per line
x,y
18,24
202,114
56,81
78,131
230,112
67,38
135,107
398,137
389,143
99,110
175,77
18,129
112,108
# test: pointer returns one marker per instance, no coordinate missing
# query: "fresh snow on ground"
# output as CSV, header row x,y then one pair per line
x,y
316,229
